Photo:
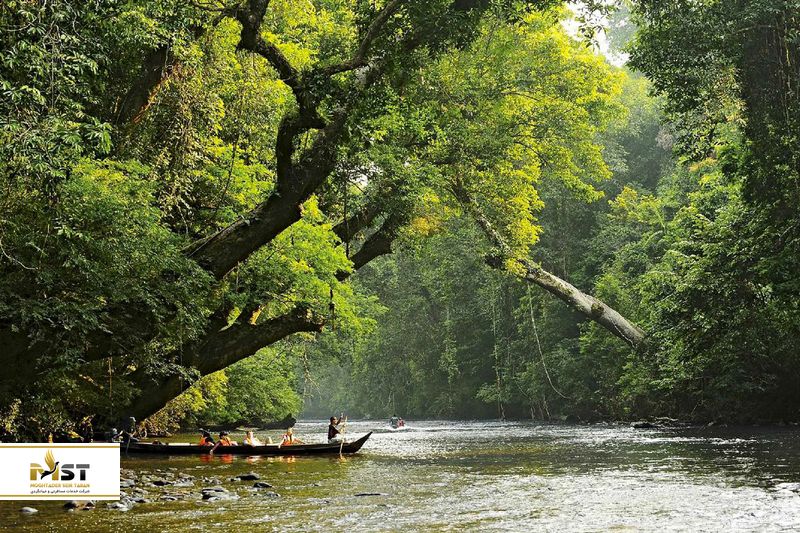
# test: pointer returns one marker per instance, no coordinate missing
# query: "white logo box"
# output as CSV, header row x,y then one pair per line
x,y
59,471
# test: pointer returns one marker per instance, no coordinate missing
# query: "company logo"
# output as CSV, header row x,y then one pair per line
x,y
65,472
59,471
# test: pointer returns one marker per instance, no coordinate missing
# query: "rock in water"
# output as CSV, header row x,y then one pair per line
x,y
262,485
72,504
252,476
643,424
28,510
216,496
117,506
216,493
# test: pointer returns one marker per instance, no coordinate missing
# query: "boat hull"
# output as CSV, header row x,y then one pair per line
x,y
267,450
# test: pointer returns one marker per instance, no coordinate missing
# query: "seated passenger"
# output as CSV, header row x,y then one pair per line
x,y
225,440
289,438
252,440
206,439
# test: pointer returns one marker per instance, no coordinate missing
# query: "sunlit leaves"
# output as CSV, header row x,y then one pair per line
x,y
523,104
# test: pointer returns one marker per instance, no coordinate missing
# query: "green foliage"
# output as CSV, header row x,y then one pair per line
x,y
254,391
103,230
570,158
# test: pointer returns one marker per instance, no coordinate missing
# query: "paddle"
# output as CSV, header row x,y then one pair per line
x,y
344,427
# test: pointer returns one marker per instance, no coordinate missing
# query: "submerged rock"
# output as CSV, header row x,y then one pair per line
x,y
252,476
28,510
643,424
72,504
371,494
261,485
216,496
217,493
117,506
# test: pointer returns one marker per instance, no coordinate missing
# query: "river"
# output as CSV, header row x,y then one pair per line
x,y
457,476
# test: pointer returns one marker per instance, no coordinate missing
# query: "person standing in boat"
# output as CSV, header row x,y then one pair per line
x,y
334,435
394,421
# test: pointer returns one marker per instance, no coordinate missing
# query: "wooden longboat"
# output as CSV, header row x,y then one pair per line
x,y
267,449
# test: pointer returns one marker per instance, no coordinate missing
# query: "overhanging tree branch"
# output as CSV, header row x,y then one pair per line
x,y
374,29
222,346
585,304
349,227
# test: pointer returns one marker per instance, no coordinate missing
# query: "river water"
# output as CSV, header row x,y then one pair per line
x,y
456,476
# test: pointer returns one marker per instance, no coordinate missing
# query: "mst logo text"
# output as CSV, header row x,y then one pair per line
x,y
56,470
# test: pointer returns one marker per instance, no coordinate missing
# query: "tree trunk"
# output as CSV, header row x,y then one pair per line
x,y
155,69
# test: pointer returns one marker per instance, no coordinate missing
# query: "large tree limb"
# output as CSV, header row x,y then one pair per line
x,y
222,251
217,351
377,244
585,304
374,29
225,345
349,227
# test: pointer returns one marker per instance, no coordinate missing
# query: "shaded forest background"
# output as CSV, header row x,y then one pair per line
x,y
685,239
230,212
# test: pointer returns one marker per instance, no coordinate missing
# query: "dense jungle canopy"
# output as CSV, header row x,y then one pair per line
x,y
222,211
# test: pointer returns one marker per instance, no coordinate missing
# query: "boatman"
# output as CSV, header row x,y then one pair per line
x,y
334,435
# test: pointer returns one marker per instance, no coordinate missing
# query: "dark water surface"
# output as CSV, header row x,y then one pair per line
x,y
455,476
